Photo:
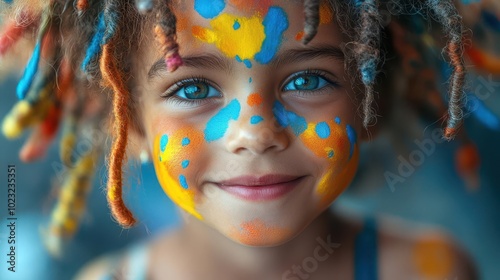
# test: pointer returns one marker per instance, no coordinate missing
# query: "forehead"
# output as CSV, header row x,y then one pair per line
x,y
244,23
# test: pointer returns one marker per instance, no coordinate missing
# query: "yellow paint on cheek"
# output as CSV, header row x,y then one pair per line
x,y
329,140
333,183
256,232
234,36
171,164
433,258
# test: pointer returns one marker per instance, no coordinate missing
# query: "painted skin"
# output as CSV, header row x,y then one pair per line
x,y
266,115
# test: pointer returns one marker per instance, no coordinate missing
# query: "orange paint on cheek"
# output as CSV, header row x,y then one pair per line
x,y
335,142
256,232
433,258
254,99
174,157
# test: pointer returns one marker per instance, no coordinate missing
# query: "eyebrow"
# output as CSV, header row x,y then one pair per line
x,y
305,54
204,61
218,62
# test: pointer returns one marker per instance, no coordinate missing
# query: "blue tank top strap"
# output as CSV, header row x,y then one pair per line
x,y
366,252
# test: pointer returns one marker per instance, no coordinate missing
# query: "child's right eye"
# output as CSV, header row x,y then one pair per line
x,y
191,91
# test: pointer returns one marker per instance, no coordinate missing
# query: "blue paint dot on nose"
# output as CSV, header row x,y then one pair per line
x,y
185,141
249,80
337,120
256,119
185,163
183,182
323,130
163,142
236,25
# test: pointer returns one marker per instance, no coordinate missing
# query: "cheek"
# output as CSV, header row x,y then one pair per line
x,y
335,142
174,157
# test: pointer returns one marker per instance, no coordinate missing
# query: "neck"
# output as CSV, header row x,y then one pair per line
x,y
318,241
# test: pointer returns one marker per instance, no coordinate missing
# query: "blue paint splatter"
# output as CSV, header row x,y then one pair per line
x,y
163,142
330,154
337,120
249,80
185,163
247,63
323,130
183,181
185,141
218,124
288,118
351,134
236,25
209,8
238,58
256,119
275,24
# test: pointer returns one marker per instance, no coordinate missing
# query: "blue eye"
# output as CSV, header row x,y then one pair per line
x,y
306,82
196,90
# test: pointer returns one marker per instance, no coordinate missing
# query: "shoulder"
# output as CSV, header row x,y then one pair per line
x,y
129,263
99,268
418,252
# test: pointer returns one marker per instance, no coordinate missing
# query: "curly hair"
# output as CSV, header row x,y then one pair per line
x,y
110,30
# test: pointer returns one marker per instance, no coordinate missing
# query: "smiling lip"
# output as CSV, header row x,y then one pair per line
x,y
255,188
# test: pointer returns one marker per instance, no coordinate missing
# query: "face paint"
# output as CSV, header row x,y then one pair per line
x,y
209,8
256,119
218,124
246,38
254,99
256,232
330,140
174,153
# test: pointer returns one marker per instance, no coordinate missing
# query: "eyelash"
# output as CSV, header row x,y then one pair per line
x,y
170,94
311,72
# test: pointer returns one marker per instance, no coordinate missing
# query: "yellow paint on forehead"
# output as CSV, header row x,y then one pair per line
x,y
168,166
233,35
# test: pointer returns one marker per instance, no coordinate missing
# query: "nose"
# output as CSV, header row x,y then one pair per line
x,y
256,131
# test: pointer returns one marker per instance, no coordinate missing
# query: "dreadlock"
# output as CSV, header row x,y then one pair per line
x,y
106,28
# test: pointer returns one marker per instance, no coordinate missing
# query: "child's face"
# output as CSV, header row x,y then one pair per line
x,y
251,100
